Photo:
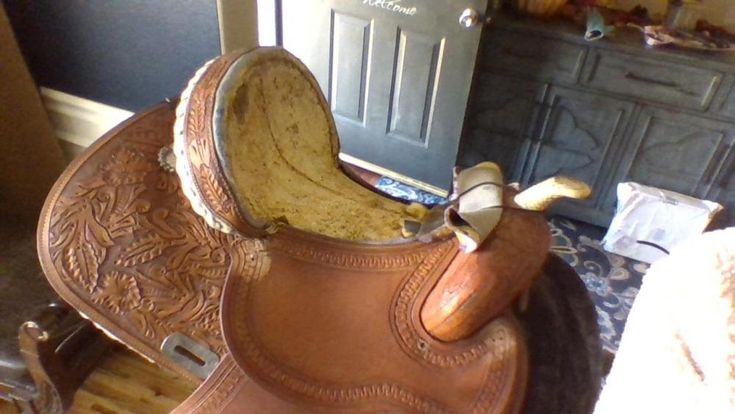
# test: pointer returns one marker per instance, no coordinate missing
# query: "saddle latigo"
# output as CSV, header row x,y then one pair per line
x,y
326,302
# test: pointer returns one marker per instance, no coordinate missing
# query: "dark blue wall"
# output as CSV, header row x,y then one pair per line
x,y
125,53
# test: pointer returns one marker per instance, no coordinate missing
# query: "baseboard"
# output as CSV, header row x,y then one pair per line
x,y
392,174
77,120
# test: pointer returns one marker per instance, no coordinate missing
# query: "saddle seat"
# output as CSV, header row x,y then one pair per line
x,y
325,302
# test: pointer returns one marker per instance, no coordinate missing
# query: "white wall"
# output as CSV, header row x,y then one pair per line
x,y
719,12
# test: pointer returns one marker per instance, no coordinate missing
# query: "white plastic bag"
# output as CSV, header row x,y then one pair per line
x,y
650,221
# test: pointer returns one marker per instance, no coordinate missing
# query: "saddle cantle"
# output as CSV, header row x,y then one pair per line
x,y
324,303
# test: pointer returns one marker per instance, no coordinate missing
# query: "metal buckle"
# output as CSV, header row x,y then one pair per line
x,y
190,354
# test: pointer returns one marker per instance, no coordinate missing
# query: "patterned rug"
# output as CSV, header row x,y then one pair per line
x,y
612,281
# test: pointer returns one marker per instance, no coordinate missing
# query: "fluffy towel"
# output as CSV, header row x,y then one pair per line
x,y
677,353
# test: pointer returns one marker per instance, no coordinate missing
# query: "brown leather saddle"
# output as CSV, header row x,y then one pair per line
x,y
263,258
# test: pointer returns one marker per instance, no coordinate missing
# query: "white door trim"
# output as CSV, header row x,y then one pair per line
x,y
238,24
77,120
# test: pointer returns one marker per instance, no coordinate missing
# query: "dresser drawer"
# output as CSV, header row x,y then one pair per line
x,y
652,80
533,56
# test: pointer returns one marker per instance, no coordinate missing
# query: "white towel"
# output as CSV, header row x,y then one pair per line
x,y
677,352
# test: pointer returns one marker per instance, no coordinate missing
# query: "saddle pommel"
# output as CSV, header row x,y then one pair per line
x,y
479,286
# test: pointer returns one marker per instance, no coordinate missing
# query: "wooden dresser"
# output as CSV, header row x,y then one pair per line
x,y
546,102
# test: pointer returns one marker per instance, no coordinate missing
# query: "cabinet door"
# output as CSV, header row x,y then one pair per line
x,y
723,190
674,151
396,74
580,138
501,118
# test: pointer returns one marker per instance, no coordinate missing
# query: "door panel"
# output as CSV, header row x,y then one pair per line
x,y
350,39
412,90
396,74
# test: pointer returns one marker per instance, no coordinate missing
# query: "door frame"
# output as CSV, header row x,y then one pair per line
x,y
238,24
245,24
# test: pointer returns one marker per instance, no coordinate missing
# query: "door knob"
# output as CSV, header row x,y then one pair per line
x,y
469,18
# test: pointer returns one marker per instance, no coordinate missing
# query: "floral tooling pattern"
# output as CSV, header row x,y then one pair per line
x,y
123,235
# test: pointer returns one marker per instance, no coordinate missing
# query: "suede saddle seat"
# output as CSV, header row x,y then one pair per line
x,y
261,254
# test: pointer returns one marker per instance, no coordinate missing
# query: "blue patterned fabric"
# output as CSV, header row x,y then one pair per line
x,y
612,281
407,192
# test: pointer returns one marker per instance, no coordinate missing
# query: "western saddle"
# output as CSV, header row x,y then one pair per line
x,y
224,240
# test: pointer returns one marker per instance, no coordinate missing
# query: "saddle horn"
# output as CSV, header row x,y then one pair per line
x,y
541,196
477,287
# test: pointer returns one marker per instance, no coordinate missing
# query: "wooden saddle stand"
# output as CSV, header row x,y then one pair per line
x,y
246,257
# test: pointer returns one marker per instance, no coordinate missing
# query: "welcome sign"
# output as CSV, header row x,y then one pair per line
x,y
395,6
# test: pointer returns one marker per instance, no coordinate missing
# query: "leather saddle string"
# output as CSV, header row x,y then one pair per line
x,y
439,209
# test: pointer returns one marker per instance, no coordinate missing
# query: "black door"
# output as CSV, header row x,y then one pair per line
x,y
396,73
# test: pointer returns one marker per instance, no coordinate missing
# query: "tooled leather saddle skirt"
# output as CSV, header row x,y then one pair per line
x,y
285,283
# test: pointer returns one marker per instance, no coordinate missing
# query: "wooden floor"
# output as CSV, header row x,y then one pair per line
x,y
369,176
125,383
